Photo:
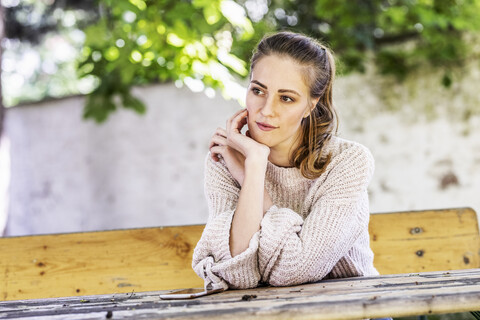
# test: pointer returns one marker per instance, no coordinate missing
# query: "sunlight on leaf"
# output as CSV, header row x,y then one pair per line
x,y
200,68
140,4
161,29
149,55
212,14
228,59
195,85
174,40
112,54
236,15
136,56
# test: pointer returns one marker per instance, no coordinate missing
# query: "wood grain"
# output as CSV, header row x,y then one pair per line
x,y
135,260
351,298
117,261
425,240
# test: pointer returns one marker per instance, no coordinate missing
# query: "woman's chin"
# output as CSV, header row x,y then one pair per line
x,y
260,139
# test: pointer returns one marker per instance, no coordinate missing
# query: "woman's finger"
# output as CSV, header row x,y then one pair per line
x,y
232,118
237,122
217,140
217,152
220,132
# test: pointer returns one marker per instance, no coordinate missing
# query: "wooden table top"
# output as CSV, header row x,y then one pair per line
x,y
351,298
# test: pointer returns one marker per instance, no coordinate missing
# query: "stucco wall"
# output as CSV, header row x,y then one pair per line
x,y
135,171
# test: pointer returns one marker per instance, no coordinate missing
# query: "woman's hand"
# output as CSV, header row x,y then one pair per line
x,y
234,160
248,147
235,148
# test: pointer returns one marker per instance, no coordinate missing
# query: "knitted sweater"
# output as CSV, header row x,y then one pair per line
x,y
316,228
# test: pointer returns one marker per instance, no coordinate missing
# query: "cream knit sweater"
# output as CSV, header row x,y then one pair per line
x,y
316,229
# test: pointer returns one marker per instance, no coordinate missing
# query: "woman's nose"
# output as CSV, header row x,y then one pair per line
x,y
268,108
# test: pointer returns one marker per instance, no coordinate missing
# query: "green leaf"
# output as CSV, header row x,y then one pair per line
x,y
98,106
236,64
212,14
97,35
130,102
140,4
447,80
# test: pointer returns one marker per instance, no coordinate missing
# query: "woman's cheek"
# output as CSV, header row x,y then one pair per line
x,y
253,103
248,102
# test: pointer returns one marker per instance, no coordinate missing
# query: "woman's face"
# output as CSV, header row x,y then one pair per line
x,y
277,101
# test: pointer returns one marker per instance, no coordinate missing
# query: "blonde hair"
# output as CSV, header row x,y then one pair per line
x,y
319,73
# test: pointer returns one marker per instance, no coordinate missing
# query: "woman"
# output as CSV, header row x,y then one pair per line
x,y
287,200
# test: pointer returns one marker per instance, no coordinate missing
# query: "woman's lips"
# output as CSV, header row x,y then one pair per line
x,y
265,127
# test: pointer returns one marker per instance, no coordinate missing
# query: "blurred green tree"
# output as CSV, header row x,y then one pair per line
x,y
401,33
202,43
41,43
206,44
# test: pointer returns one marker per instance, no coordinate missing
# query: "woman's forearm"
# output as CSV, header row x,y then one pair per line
x,y
250,207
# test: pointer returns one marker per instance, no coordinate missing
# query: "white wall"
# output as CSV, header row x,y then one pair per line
x,y
135,171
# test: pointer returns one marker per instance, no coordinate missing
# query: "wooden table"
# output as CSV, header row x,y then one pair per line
x,y
353,298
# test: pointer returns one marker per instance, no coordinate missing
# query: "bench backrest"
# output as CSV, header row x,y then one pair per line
x,y
134,260
429,240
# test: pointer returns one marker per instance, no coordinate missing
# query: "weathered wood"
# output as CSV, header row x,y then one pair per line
x,y
425,240
160,258
351,298
98,262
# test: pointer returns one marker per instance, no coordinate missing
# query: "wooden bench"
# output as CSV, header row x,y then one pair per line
x,y
149,259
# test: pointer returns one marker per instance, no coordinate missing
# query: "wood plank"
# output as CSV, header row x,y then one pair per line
x,y
425,240
98,262
351,298
160,258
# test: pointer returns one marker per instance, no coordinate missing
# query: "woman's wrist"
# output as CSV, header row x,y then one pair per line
x,y
258,158
255,164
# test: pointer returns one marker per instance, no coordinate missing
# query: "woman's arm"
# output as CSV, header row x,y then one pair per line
x,y
212,260
246,160
227,251
250,207
294,251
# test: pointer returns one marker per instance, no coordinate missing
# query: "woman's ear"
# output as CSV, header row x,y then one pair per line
x,y
313,105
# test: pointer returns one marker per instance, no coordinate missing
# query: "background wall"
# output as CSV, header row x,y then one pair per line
x,y
135,171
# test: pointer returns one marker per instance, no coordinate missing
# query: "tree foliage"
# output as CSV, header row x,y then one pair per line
x,y
401,33
206,44
41,44
30,20
137,42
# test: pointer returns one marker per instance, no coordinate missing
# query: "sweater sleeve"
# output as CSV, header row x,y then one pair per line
x,y
212,259
293,250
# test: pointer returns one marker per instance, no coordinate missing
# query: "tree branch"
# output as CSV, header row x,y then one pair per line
x,y
397,38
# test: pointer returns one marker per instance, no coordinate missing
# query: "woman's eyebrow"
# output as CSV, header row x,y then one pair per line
x,y
279,90
288,90
259,83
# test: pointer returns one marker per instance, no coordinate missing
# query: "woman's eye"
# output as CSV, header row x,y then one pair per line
x,y
287,99
257,91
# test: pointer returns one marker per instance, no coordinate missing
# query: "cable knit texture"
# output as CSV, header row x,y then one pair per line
x,y
316,229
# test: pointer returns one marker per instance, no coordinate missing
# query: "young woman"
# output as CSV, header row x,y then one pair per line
x,y
287,200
